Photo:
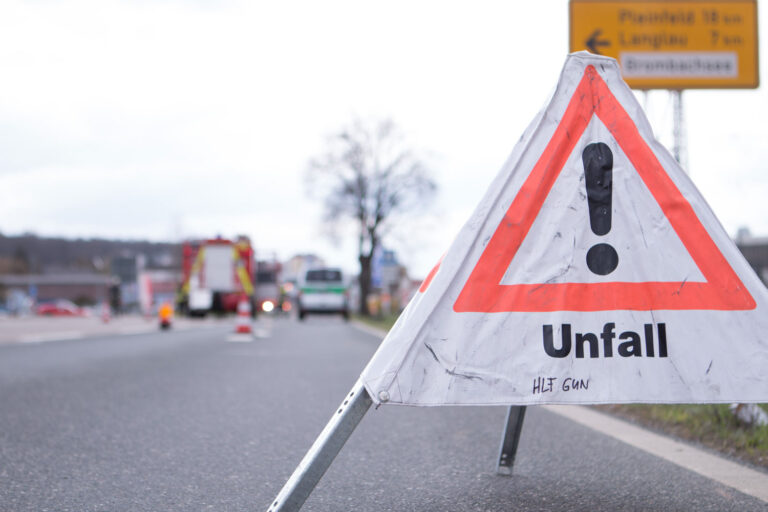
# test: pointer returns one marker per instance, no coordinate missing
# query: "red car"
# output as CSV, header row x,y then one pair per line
x,y
59,308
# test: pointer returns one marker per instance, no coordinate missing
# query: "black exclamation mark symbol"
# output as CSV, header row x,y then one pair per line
x,y
602,259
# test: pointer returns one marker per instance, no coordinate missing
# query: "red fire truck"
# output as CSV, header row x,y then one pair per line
x,y
217,274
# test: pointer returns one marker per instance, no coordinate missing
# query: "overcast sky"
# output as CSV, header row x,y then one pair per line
x,y
169,119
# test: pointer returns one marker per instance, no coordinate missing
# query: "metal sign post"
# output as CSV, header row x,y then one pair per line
x,y
510,439
678,129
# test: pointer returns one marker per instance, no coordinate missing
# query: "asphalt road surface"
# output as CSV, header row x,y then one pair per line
x,y
189,421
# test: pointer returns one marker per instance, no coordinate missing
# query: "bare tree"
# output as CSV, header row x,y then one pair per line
x,y
369,175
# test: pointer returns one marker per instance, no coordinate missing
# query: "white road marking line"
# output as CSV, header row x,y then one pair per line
x,y
732,474
51,336
240,338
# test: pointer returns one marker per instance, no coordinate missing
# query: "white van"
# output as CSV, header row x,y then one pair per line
x,y
323,290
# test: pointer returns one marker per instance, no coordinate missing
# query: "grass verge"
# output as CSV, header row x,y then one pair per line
x,y
384,322
712,425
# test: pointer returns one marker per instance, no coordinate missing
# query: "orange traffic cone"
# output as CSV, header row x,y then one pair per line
x,y
243,323
165,314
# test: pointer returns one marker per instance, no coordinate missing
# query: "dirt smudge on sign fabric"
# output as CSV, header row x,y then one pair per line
x,y
451,371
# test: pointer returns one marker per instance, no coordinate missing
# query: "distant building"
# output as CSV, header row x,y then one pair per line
x,y
391,284
145,282
86,271
157,286
295,267
126,268
77,287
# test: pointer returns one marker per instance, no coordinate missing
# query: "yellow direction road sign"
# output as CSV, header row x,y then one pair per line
x,y
672,45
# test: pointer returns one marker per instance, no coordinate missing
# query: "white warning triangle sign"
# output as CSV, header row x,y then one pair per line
x,y
592,271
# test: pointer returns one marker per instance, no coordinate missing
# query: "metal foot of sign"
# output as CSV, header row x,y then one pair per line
x,y
341,425
510,439
325,448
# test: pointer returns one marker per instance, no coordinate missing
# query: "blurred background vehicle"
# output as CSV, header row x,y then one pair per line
x,y
323,290
60,307
215,275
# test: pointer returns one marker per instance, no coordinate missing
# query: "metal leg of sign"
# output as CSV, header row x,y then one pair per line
x,y
325,448
510,439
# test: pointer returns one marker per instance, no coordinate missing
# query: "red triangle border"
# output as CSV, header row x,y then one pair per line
x,y
723,290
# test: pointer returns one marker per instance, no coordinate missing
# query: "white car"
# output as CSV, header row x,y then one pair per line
x,y
323,290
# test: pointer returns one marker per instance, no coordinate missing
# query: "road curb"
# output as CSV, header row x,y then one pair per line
x,y
130,330
742,478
